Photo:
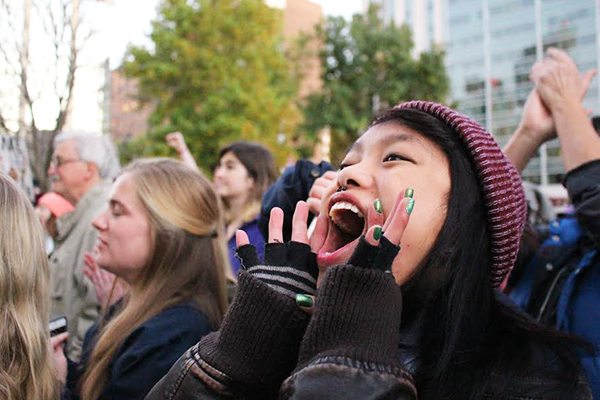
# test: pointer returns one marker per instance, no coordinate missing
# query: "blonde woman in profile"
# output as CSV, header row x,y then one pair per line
x,y
162,235
26,369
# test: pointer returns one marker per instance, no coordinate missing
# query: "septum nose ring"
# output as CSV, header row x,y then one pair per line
x,y
341,188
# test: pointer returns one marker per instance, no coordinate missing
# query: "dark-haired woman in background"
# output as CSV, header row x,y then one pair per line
x,y
244,171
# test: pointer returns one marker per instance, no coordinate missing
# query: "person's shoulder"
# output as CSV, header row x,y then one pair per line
x,y
544,376
178,323
181,317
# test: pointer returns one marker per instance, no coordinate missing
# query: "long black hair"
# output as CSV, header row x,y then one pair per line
x,y
466,329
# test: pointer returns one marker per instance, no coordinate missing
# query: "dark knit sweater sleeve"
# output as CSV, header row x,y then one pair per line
x,y
257,345
350,349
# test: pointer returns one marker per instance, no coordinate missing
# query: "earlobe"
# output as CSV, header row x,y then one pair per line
x,y
90,171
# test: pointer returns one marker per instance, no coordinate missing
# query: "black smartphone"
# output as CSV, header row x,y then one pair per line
x,y
58,325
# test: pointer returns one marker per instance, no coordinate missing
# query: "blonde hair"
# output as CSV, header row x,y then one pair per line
x,y
188,261
26,362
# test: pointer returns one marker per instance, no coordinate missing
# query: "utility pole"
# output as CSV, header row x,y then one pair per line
x,y
539,56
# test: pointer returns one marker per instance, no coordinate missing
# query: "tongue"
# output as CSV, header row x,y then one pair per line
x,y
350,223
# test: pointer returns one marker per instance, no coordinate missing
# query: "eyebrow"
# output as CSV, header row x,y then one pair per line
x,y
386,141
398,137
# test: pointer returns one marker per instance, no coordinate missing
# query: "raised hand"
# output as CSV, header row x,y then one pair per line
x,y
104,282
558,79
288,268
60,361
177,142
537,123
375,251
318,189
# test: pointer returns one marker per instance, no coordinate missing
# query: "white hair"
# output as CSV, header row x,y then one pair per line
x,y
97,149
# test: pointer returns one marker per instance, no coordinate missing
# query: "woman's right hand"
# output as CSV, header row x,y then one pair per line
x,y
318,189
60,361
290,268
104,282
177,142
558,80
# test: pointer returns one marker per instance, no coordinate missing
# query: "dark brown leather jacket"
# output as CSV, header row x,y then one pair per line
x,y
265,350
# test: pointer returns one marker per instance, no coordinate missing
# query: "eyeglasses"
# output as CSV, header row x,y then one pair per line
x,y
57,161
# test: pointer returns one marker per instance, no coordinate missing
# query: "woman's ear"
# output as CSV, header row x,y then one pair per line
x,y
251,182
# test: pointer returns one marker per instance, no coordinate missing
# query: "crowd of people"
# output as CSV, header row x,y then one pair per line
x,y
410,271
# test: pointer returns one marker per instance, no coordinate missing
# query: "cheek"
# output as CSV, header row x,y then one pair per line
x,y
418,239
139,246
129,246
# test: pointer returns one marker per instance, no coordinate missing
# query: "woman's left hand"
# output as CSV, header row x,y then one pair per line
x,y
373,251
381,244
60,361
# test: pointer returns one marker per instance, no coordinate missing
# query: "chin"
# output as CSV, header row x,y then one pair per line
x,y
104,263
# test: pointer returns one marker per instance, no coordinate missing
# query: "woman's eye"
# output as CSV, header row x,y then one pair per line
x,y
395,157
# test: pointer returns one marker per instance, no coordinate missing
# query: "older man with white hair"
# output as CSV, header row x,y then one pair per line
x,y
81,170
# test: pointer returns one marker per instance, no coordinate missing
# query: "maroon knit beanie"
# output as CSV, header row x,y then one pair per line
x,y
501,184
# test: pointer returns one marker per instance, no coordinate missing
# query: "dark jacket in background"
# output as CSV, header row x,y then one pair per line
x,y
146,355
291,187
560,287
255,237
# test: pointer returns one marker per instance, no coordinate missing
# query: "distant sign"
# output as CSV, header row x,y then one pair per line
x,y
14,161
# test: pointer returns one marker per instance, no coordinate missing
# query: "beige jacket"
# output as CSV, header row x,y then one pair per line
x,y
73,294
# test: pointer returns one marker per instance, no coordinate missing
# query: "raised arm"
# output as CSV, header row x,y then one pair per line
x,y
561,88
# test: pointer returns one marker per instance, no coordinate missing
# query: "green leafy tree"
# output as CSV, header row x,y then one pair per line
x,y
367,67
217,72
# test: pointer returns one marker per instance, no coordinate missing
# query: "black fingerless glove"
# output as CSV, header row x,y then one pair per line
x,y
288,268
378,257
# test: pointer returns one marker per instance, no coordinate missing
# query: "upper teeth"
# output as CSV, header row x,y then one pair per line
x,y
342,205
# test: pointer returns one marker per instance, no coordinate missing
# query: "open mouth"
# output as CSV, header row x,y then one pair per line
x,y
346,225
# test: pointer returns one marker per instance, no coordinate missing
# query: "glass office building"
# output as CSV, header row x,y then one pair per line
x,y
567,24
501,53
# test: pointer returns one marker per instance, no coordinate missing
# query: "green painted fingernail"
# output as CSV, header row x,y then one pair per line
x,y
377,205
377,233
304,301
409,193
409,206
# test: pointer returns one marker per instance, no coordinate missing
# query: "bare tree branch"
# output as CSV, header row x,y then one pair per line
x,y
62,29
